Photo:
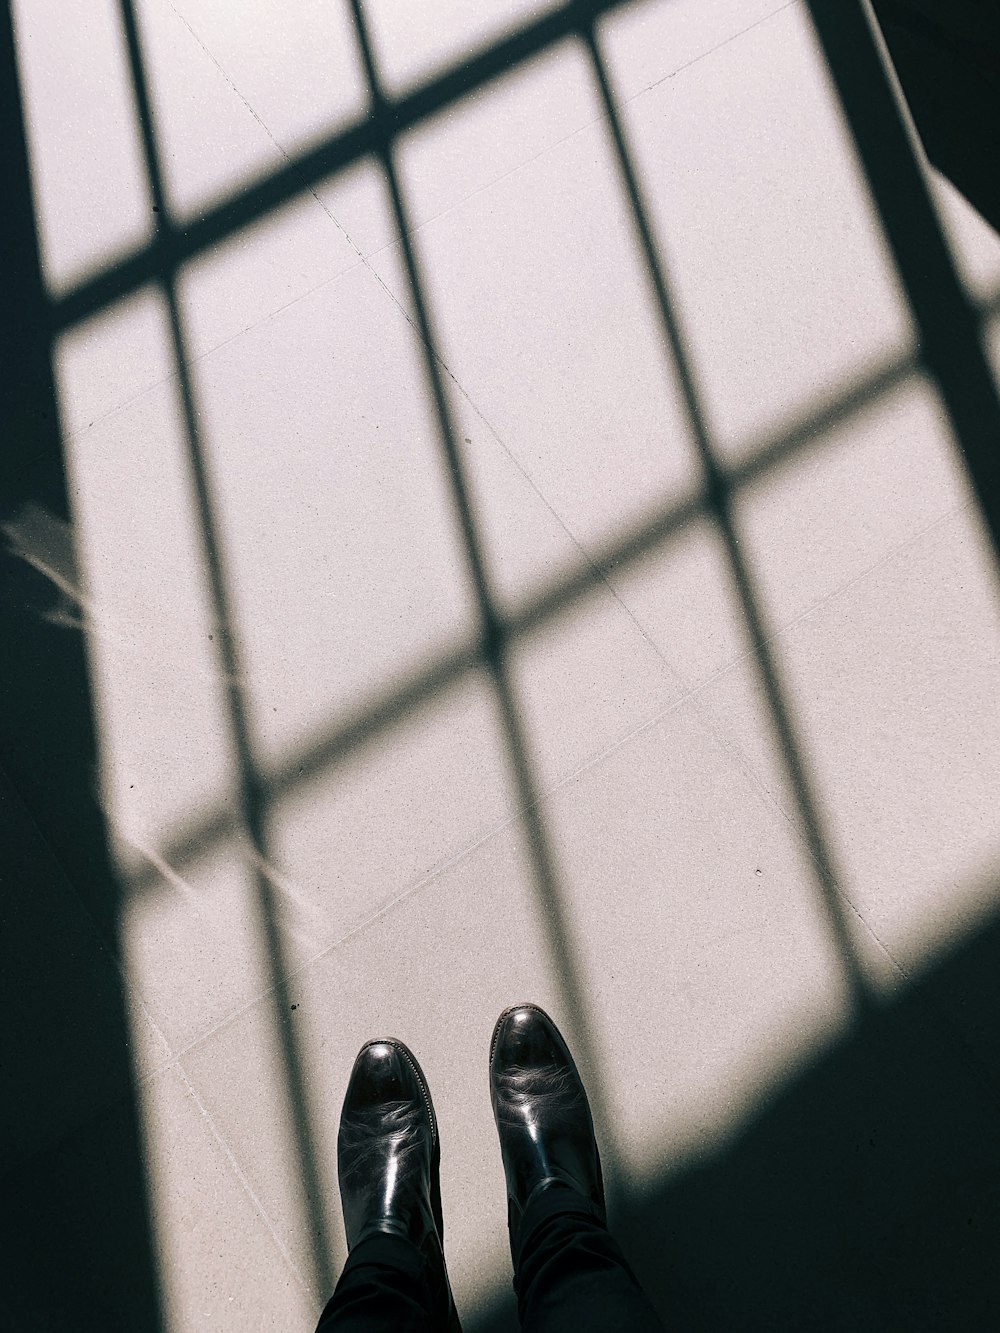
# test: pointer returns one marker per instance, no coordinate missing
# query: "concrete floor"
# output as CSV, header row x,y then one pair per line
x,y
661,897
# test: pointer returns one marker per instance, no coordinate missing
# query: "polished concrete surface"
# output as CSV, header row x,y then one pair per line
x,y
605,820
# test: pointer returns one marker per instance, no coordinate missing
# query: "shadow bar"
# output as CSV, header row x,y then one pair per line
x,y
251,793
718,491
950,326
494,638
78,1239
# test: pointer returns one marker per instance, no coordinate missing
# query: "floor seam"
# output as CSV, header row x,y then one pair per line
x,y
572,134
367,262
241,1176
744,762
765,18
193,360
427,878
367,258
832,595
690,696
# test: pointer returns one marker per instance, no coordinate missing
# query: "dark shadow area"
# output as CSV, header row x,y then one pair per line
x,y
76,1233
868,1195
947,56
948,325
865,1198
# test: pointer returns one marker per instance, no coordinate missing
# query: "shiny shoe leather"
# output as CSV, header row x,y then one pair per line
x,y
388,1153
542,1113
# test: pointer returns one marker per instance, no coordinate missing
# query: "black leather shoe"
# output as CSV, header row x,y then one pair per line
x,y
542,1113
388,1154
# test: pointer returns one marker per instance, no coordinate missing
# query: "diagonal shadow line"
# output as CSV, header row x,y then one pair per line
x,y
949,324
494,642
175,243
646,540
250,792
719,502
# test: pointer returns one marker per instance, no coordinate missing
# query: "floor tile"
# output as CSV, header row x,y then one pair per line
x,y
458,152
110,360
187,91
150,631
706,958
302,77
217,1254
525,112
890,687
781,281
738,981
262,269
297,69
542,317
334,508
484,136
475,142
344,566
396,978
583,677
597,419
835,507
365,828
339,516
193,939
862,1194
411,47
648,42
657,895
90,191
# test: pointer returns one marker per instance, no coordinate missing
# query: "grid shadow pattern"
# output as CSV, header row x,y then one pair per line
x,y
950,351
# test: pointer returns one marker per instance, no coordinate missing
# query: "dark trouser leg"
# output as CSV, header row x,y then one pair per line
x,y
569,1274
387,1284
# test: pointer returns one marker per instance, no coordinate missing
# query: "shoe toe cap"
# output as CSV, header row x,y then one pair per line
x,y
525,1036
382,1074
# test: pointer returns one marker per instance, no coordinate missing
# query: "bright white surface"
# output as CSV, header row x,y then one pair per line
x,y
404,887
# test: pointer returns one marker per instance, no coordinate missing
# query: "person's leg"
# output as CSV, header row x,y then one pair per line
x,y
387,1284
388,1156
569,1274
